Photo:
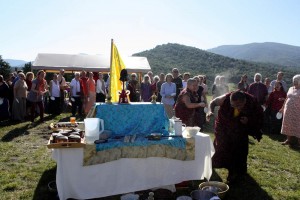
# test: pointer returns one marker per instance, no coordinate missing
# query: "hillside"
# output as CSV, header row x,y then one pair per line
x,y
267,52
164,57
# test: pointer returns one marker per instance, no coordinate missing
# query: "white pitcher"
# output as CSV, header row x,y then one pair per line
x,y
178,127
93,128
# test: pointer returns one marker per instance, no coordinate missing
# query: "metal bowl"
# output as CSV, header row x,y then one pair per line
x,y
202,195
52,186
220,187
213,189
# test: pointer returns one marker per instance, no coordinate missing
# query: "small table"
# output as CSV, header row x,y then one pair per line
x,y
128,174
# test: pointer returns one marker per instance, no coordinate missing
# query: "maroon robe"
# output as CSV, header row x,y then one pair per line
x,y
231,141
189,116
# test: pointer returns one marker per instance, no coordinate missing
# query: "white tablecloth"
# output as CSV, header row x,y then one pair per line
x,y
128,174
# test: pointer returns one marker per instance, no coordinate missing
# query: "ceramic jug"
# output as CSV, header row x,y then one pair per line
x,y
178,127
93,128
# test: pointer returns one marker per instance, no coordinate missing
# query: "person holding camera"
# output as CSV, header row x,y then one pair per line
x,y
76,94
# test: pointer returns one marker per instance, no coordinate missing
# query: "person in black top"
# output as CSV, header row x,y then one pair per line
x,y
178,81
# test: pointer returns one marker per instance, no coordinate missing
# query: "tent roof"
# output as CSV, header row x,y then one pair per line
x,y
78,62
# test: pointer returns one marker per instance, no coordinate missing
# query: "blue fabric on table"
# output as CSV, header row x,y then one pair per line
x,y
133,118
177,142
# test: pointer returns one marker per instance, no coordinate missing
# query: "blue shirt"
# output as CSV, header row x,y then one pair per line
x,y
168,89
284,85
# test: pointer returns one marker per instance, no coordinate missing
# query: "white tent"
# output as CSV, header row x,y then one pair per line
x,y
95,63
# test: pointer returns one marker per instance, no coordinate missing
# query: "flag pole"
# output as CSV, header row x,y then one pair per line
x,y
111,58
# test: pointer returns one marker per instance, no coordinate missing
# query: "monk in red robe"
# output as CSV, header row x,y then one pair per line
x,y
239,115
188,104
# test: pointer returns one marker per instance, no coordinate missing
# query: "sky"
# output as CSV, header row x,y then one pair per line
x,y
29,27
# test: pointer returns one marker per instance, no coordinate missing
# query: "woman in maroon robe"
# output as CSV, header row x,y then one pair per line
x,y
187,105
239,115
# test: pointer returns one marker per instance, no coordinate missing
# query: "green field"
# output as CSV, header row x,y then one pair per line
x,y
27,167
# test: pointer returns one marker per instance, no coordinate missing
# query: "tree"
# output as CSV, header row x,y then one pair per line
x,y
27,67
4,68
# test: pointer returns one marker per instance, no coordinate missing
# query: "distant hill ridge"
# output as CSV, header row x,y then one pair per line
x,y
268,52
164,57
15,63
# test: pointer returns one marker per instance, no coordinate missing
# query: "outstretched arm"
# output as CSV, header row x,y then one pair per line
x,y
215,102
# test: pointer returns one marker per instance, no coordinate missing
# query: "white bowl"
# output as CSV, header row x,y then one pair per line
x,y
191,131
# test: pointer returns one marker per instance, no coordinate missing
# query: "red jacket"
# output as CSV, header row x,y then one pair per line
x,y
276,100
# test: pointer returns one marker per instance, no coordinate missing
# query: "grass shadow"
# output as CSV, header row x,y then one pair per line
x,y
295,148
9,136
247,189
282,138
6,123
276,137
20,131
42,190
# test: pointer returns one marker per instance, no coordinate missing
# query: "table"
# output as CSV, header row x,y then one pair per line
x,y
134,118
128,174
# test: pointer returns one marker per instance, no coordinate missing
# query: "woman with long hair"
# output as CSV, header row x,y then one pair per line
x,y
243,85
146,89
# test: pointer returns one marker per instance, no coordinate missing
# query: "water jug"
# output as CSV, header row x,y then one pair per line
x,y
178,126
171,125
93,128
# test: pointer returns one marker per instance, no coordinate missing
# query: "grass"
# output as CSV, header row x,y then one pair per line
x,y
26,166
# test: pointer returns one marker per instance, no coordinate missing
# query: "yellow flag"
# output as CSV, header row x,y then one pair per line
x,y
115,69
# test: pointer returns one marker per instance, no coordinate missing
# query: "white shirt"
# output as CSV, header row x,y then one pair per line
x,y
168,89
184,84
75,87
55,89
99,87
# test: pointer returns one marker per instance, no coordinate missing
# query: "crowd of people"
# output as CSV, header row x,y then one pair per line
x,y
251,109
23,96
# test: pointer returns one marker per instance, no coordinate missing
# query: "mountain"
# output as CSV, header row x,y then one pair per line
x,y
15,63
164,57
268,52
